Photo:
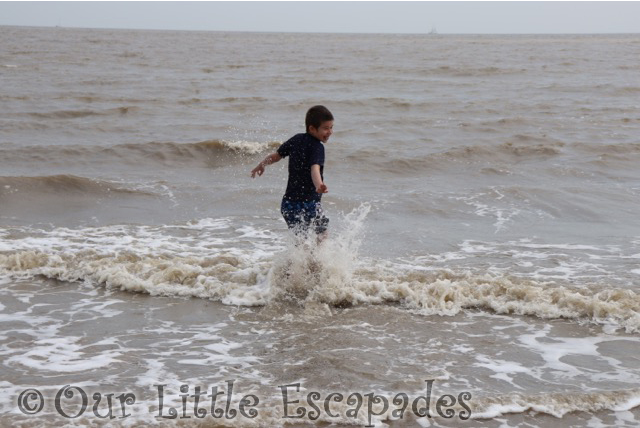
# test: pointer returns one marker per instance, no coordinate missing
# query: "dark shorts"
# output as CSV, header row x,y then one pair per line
x,y
302,216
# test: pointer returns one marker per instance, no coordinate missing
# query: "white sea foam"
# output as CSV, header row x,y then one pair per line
x,y
554,350
321,271
64,354
211,259
501,369
247,147
503,215
557,405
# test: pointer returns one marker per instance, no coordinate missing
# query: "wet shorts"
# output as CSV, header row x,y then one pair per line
x,y
300,216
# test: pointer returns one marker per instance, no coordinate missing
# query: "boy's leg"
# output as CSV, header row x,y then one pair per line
x,y
300,216
317,220
320,221
294,215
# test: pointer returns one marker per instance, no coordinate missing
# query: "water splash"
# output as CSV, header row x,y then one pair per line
x,y
313,270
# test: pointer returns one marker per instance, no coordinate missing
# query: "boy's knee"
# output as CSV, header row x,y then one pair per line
x,y
321,224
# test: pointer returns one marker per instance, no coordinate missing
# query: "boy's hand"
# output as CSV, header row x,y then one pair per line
x,y
317,179
272,158
257,170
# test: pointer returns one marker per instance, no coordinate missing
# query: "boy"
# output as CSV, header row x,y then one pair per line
x,y
300,206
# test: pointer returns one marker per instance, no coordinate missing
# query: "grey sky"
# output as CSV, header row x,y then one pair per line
x,y
345,17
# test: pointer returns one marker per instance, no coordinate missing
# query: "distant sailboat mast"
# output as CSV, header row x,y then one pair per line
x,y
433,30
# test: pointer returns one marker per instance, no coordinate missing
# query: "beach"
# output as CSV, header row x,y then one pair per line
x,y
482,264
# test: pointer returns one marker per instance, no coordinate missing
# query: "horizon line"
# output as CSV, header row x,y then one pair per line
x,y
426,33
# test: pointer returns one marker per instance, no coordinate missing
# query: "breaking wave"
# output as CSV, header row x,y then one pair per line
x,y
64,183
212,260
212,153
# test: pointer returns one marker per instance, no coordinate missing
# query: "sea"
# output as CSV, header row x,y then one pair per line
x,y
482,266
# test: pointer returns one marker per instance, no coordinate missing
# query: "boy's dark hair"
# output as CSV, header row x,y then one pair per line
x,y
316,116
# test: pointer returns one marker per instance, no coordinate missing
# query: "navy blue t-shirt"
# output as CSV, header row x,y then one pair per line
x,y
303,150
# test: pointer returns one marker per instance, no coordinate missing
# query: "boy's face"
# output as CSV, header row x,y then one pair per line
x,y
323,132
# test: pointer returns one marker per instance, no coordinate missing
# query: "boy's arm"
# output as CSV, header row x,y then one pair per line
x,y
272,158
317,179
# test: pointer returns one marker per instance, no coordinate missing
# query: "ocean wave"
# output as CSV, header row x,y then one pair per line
x,y
243,99
76,114
621,150
207,260
526,148
211,153
557,405
402,104
515,122
448,294
453,71
22,187
234,279
627,90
